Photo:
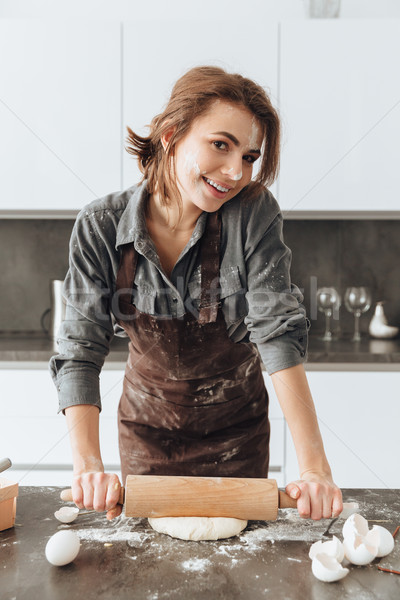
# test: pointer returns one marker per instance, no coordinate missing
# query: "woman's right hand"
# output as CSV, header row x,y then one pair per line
x,y
95,490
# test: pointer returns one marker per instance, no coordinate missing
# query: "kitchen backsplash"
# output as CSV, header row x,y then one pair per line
x,y
338,253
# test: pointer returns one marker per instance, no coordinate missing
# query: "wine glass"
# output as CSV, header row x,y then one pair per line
x,y
357,301
328,301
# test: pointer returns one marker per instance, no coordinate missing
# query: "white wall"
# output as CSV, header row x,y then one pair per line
x,y
171,9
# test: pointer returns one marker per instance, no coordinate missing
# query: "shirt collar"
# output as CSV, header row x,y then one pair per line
x,y
132,225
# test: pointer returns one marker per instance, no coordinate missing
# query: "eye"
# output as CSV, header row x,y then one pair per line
x,y
221,145
250,158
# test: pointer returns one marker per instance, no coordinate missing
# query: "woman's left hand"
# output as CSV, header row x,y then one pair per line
x,y
318,496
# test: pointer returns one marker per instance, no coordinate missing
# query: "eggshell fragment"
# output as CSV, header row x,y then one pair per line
x,y
358,551
67,514
355,525
348,509
382,538
333,547
62,548
327,568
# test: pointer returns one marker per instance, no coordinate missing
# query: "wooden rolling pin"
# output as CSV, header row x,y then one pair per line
x,y
172,496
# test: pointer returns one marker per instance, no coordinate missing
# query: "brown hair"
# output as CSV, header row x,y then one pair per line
x,y
192,95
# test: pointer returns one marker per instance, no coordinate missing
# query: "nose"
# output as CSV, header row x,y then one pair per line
x,y
233,168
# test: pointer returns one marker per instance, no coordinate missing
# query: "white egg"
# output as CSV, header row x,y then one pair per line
x,y
355,524
327,568
358,551
333,547
67,514
382,538
62,548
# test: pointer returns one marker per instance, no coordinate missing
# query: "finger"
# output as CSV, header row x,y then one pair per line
x,y
316,501
100,492
327,501
88,493
293,490
114,512
77,492
304,503
113,492
337,504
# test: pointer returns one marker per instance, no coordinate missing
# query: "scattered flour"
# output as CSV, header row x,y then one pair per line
x,y
196,564
120,529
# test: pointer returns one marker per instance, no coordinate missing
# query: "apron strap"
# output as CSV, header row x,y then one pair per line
x,y
126,274
210,259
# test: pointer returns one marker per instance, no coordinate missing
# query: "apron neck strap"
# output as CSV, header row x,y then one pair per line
x,y
210,259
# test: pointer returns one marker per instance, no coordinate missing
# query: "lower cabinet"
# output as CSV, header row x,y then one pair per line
x,y
35,437
359,415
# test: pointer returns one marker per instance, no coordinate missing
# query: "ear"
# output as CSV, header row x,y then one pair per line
x,y
166,138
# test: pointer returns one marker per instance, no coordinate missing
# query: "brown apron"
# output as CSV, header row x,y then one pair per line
x,y
193,401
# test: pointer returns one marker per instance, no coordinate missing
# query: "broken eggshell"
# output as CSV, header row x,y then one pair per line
x,y
382,538
327,568
333,547
67,514
348,509
358,550
355,525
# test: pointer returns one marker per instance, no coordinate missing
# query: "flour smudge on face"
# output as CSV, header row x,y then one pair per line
x,y
255,131
192,167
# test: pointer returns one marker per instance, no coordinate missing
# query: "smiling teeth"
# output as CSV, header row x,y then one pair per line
x,y
218,187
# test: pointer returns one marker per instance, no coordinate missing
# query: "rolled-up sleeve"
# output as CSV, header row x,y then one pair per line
x,y
85,334
276,319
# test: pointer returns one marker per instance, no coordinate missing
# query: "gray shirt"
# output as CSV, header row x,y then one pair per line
x,y
258,301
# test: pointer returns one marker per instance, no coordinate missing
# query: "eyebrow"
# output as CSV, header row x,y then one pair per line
x,y
235,140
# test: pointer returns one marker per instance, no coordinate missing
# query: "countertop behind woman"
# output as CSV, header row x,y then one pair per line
x,y
30,350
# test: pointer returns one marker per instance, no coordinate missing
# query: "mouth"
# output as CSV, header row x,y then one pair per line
x,y
217,187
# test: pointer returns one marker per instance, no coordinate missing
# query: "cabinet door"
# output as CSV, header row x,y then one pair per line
x,y
60,113
32,435
340,105
358,415
247,46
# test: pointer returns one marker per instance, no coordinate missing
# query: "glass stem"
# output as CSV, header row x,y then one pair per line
x,y
328,334
357,336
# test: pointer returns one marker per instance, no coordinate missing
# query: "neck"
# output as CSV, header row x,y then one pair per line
x,y
169,216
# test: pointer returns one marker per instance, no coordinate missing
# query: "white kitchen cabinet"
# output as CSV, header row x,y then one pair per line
x,y
340,103
358,414
35,437
60,113
156,54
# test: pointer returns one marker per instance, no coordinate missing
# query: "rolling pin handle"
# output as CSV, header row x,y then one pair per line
x,y
5,463
285,501
66,495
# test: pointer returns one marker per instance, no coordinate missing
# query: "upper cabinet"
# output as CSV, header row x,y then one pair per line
x,y
68,90
340,103
157,53
60,113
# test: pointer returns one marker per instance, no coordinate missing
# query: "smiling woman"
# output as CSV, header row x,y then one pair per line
x,y
192,266
203,90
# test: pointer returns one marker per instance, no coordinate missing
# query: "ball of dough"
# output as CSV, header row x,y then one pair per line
x,y
198,528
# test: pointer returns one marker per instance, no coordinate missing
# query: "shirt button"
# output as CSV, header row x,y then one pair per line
x,y
174,299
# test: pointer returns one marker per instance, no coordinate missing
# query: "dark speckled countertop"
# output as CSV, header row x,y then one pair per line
x,y
126,559
27,350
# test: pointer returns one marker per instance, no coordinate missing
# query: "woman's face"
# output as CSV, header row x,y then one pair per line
x,y
214,160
